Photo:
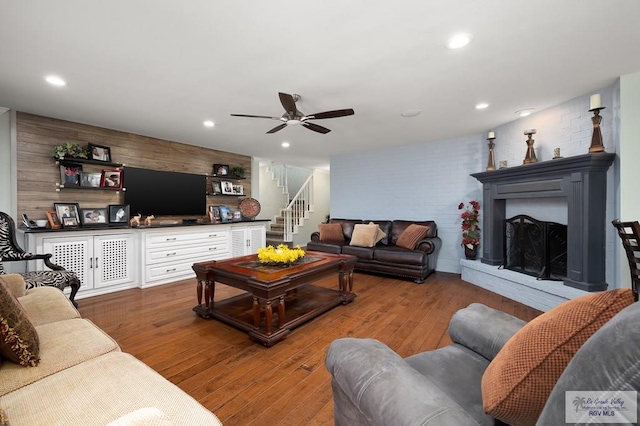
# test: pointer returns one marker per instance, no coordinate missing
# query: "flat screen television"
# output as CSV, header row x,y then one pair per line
x,y
163,193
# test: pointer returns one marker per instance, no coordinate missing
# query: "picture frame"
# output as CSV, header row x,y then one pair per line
x,y
214,214
111,179
225,214
68,214
99,153
221,170
93,217
54,220
119,213
216,188
70,174
238,189
227,187
90,180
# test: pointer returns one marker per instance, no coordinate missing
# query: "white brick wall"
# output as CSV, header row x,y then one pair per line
x,y
427,181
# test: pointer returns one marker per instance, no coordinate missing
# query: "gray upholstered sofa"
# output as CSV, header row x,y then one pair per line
x,y
372,385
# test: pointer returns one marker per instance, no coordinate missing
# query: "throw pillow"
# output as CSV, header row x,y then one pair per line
x,y
411,235
18,337
379,233
517,383
331,233
364,235
4,420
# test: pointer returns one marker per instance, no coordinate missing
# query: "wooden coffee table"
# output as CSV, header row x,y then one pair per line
x,y
278,299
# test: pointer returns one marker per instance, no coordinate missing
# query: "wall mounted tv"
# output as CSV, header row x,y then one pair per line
x,y
164,193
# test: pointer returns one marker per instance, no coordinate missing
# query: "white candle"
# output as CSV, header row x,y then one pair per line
x,y
492,135
532,131
595,101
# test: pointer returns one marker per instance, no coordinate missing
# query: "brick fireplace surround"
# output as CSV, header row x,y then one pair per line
x,y
582,181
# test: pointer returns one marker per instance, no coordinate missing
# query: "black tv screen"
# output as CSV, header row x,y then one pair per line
x,y
163,193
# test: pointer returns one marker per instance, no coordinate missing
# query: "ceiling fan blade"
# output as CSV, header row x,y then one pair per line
x,y
331,114
316,128
278,128
289,104
256,116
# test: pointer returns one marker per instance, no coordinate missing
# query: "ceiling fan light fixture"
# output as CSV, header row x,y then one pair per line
x,y
293,122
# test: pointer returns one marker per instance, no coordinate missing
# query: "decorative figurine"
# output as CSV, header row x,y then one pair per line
x,y
148,220
596,138
531,154
491,162
135,221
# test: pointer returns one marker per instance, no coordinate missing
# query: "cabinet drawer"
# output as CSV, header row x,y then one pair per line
x,y
177,270
171,239
185,252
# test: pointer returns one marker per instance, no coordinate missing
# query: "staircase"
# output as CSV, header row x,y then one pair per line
x,y
291,217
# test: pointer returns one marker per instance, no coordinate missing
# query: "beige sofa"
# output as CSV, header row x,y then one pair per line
x,y
83,378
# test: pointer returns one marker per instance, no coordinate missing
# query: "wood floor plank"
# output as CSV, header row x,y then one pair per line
x,y
245,383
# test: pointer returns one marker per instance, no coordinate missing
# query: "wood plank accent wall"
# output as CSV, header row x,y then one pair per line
x,y
38,172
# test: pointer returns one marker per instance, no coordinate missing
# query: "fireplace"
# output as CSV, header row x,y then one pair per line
x,y
535,247
582,181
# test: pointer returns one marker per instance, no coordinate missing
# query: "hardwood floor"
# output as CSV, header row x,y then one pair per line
x,y
244,383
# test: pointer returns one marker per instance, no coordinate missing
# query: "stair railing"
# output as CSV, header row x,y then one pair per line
x,y
298,209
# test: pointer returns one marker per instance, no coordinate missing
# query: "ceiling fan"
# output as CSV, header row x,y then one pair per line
x,y
294,117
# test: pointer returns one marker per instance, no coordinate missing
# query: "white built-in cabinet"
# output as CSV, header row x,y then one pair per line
x,y
108,260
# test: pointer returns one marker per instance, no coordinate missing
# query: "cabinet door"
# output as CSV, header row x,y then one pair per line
x,y
257,237
112,260
238,242
73,254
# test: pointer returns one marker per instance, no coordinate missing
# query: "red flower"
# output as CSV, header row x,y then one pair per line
x,y
470,228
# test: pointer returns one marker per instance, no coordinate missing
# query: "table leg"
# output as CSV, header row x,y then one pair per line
x,y
351,282
199,292
256,313
209,292
281,312
268,314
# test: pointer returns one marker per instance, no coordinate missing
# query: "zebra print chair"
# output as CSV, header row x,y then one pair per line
x,y
10,251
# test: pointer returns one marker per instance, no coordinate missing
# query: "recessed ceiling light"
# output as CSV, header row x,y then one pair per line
x,y
525,112
285,144
482,105
411,113
209,123
458,41
54,80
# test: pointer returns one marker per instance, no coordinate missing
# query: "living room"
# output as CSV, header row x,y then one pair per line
x,y
422,174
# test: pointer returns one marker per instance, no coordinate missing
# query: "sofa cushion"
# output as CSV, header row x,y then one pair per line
x,y
334,248
15,283
19,341
147,416
520,378
63,344
330,232
364,235
399,255
101,390
362,253
411,235
47,304
347,226
398,227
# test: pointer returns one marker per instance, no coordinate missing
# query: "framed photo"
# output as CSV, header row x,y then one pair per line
x,y
221,170
96,216
238,189
225,214
100,153
68,214
214,214
111,179
215,186
70,174
54,220
90,180
118,213
227,187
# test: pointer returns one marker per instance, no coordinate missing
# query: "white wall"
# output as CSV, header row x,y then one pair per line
x,y
427,181
272,198
6,168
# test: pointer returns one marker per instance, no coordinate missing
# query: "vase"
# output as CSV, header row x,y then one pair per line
x,y
471,253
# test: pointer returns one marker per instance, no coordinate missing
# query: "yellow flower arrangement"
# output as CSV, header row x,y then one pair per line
x,y
280,255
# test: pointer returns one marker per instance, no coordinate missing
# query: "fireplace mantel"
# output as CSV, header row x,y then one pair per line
x,y
582,181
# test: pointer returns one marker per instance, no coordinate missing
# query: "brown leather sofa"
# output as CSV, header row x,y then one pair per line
x,y
385,257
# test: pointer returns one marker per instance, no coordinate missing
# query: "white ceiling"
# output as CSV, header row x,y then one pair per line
x,y
161,67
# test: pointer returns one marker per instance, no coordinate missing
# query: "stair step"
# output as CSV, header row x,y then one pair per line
x,y
277,226
275,234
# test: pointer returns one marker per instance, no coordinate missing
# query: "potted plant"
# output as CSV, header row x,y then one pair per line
x,y
470,228
238,172
69,150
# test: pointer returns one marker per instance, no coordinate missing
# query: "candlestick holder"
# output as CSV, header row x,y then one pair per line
x,y
596,137
491,162
530,157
